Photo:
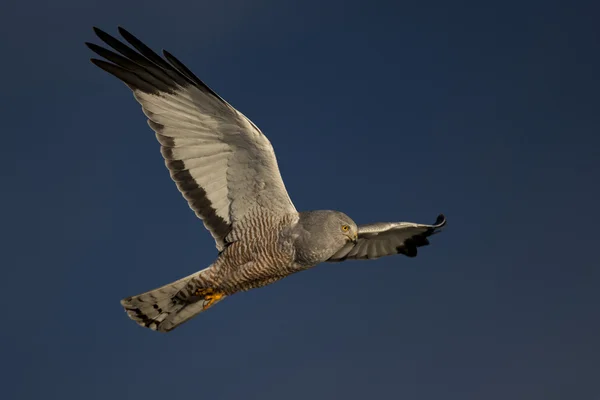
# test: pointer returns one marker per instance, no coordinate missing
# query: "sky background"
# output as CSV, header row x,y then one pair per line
x,y
388,111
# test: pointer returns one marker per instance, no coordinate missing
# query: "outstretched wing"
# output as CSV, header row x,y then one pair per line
x,y
387,238
221,162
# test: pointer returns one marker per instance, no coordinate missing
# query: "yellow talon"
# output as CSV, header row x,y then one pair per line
x,y
210,296
212,299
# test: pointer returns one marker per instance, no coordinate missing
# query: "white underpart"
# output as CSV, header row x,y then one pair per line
x,y
225,154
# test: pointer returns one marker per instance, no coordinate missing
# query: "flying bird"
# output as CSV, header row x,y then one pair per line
x,y
226,169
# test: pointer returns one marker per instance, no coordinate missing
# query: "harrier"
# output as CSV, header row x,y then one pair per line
x,y
226,169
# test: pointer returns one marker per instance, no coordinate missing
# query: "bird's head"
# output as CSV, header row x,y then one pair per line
x,y
342,226
322,233
350,231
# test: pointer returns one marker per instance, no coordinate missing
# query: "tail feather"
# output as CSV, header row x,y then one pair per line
x,y
169,306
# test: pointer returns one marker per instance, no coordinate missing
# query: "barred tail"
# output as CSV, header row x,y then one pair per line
x,y
167,307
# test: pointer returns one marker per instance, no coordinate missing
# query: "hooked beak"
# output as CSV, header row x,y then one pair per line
x,y
354,238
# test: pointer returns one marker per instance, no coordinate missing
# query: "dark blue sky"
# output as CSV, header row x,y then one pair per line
x,y
383,110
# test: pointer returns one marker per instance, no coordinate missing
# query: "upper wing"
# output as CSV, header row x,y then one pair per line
x,y
221,162
387,238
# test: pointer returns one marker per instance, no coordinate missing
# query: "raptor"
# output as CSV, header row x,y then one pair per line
x,y
226,169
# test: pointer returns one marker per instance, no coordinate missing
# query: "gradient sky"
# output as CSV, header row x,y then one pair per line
x,y
388,111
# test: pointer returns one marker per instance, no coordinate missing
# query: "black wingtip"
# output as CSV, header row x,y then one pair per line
x,y
144,69
105,37
132,39
99,32
95,48
441,220
124,32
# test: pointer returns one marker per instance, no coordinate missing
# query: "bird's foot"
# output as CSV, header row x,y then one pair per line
x,y
210,296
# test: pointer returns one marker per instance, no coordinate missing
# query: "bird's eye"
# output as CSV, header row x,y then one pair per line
x,y
345,228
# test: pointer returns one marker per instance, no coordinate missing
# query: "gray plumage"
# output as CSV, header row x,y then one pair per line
x,y
226,169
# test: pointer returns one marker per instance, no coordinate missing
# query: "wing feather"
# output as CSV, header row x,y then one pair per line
x,y
223,165
387,238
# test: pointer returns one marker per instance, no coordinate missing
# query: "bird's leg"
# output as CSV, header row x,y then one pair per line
x,y
209,295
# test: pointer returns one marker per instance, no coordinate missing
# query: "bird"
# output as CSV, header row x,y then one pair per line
x,y
226,169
